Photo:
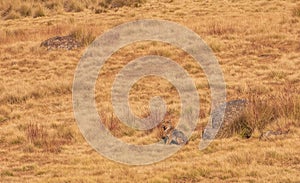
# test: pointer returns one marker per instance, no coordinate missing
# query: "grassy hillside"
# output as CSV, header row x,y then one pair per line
x,y
16,9
256,42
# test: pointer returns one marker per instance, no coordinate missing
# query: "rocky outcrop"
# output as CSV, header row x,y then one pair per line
x,y
61,42
234,110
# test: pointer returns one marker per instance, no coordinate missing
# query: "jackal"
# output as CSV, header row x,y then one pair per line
x,y
171,135
270,133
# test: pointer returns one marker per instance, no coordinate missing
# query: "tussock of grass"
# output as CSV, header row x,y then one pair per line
x,y
262,110
39,12
220,28
2,119
73,6
100,10
7,173
41,137
36,134
238,158
18,140
25,10
11,15
83,35
216,45
111,122
296,11
53,5
265,109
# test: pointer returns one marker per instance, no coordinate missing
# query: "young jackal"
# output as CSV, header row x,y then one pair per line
x,y
170,135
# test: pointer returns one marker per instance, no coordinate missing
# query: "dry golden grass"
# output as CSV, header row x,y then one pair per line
x,y
256,43
16,9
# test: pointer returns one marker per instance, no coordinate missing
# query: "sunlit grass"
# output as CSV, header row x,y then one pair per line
x,y
255,42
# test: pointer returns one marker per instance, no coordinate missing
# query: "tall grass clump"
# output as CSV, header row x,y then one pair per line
x,y
5,10
12,15
36,134
83,36
296,11
53,5
240,126
262,110
220,28
42,138
73,6
9,13
25,10
111,123
39,12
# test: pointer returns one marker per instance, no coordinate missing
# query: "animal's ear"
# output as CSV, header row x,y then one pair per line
x,y
164,127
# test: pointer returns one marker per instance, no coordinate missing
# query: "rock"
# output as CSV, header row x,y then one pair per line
x,y
234,109
233,112
61,42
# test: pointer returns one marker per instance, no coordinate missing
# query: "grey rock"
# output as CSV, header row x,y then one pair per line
x,y
61,42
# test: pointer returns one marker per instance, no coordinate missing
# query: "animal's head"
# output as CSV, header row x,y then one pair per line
x,y
167,127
